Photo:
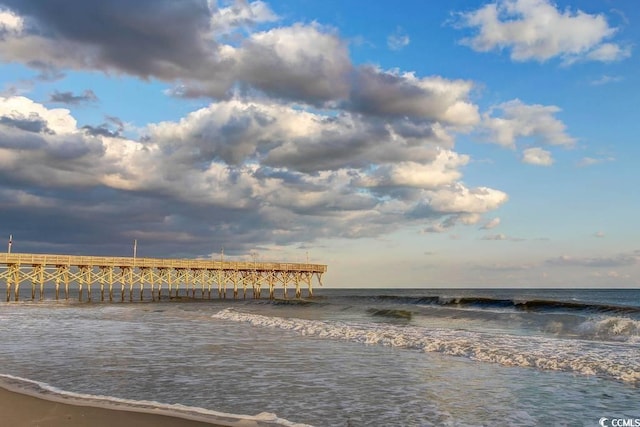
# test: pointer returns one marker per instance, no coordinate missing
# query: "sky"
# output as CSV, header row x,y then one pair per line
x,y
405,144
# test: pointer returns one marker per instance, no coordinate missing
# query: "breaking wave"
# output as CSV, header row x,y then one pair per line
x,y
535,305
615,360
394,314
611,328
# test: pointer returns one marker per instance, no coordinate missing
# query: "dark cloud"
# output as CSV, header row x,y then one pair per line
x,y
71,99
16,139
31,123
391,94
102,130
161,38
48,72
174,41
299,62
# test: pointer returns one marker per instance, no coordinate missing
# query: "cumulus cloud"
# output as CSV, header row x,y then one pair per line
x,y
299,62
392,93
297,144
538,30
151,38
459,199
221,171
503,124
537,156
19,108
176,42
10,23
240,14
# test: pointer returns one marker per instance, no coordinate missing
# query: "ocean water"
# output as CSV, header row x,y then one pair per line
x,y
365,357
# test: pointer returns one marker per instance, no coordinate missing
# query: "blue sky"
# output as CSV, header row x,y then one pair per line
x,y
469,143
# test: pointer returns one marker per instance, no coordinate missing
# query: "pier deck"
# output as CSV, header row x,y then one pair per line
x,y
154,274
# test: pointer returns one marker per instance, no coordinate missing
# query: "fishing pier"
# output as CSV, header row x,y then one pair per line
x,y
119,278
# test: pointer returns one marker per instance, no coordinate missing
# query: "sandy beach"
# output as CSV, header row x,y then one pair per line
x,y
20,410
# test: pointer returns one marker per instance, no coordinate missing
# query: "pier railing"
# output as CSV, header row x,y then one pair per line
x,y
75,260
152,273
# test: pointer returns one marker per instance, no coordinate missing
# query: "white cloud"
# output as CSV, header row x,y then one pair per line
x,y
241,13
20,108
599,234
605,79
10,22
443,170
460,199
398,39
609,52
493,223
537,156
537,30
519,120
590,161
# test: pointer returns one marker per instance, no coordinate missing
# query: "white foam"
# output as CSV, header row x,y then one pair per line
x,y
616,360
611,328
46,391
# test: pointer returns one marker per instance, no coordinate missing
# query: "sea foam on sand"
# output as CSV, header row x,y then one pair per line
x,y
27,402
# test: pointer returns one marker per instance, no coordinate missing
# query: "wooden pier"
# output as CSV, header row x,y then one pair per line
x,y
153,275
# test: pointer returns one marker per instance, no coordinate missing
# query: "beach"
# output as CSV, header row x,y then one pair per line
x,y
19,409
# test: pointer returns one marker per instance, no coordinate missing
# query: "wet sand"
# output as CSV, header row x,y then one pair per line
x,y
18,410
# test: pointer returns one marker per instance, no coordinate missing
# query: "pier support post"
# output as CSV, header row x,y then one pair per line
x,y
220,285
234,279
110,280
101,281
15,273
65,276
123,279
41,280
272,291
285,280
130,279
296,278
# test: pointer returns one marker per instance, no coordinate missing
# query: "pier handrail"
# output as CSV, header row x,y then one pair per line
x,y
193,264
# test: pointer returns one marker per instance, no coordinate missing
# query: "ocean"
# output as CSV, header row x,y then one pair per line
x,y
346,357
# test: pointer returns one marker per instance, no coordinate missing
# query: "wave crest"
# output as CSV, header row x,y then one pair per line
x,y
583,357
611,328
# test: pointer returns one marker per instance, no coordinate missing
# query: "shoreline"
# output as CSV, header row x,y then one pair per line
x,y
21,409
27,403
